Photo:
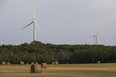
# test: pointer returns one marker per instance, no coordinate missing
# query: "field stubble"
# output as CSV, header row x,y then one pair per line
x,y
61,70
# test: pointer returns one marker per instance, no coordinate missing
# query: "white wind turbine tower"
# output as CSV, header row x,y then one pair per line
x,y
96,39
34,26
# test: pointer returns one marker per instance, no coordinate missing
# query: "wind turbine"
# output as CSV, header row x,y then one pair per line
x,y
33,23
96,39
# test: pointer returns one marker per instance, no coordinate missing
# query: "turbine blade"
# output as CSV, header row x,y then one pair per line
x,y
99,39
34,14
27,25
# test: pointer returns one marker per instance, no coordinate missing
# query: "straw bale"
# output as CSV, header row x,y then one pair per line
x,y
44,65
35,68
98,62
36,62
8,63
3,63
53,63
22,63
56,62
32,62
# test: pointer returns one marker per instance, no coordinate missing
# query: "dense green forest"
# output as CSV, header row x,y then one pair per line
x,y
40,52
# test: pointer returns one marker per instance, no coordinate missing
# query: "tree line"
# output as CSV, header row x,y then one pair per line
x,y
41,52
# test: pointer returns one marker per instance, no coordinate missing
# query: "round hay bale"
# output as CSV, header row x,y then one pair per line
x,y
22,63
3,63
98,62
53,63
8,63
56,62
36,62
32,62
36,68
44,65
27,63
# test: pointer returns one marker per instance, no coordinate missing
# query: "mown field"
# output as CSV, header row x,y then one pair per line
x,y
61,70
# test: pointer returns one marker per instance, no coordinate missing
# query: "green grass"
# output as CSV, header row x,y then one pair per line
x,y
61,70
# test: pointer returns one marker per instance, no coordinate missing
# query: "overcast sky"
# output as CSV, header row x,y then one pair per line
x,y
61,21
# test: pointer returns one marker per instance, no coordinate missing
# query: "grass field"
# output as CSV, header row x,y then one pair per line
x,y
61,70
